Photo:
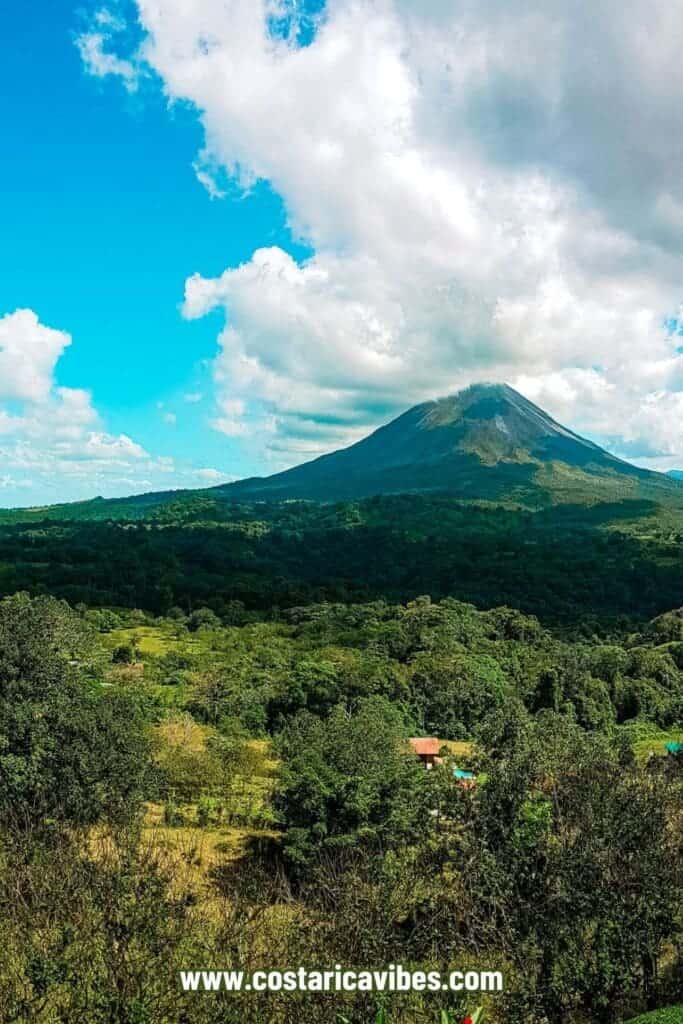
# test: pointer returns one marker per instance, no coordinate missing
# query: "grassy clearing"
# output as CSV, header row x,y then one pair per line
x,y
149,640
671,1015
459,748
183,732
189,852
152,641
213,808
196,851
151,644
656,743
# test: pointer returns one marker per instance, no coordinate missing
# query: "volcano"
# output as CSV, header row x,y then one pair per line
x,y
487,442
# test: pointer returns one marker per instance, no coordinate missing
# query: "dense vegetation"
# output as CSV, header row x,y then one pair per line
x,y
587,567
204,758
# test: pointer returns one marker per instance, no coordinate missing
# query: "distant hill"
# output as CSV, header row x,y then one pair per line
x,y
677,474
486,443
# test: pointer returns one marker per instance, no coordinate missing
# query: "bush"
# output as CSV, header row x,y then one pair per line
x,y
124,654
203,618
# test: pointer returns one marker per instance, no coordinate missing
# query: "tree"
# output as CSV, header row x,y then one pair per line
x,y
455,693
347,780
574,850
68,749
203,618
124,654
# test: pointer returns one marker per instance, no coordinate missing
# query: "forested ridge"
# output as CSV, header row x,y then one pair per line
x,y
599,565
204,758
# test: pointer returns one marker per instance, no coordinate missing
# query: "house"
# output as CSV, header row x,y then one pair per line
x,y
427,749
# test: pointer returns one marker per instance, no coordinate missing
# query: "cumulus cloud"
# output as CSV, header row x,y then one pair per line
x,y
28,354
53,445
491,189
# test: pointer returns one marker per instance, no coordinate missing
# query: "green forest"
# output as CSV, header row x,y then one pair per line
x,y
586,567
205,714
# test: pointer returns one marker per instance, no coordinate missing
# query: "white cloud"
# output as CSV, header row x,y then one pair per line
x,y
212,476
207,180
491,190
53,445
96,49
8,481
100,63
28,354
108,20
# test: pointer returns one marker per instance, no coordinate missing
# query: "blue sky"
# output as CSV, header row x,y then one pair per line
x,y
104,219
239,233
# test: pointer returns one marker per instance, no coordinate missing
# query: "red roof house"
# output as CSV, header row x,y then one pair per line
x,y
427,749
